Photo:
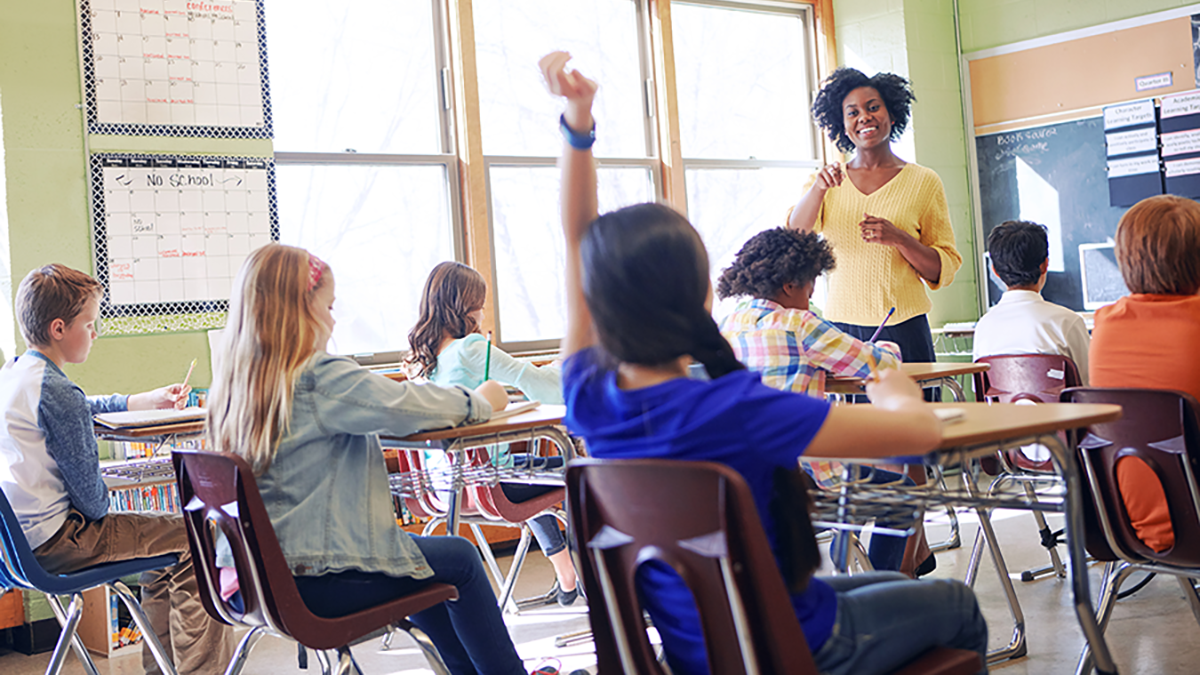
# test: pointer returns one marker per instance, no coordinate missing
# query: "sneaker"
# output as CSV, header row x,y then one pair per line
x,y
545,670
567,598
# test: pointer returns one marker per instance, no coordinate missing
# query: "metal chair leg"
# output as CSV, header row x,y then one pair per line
x,y
1044,530
1188,584
143,623
242,652
1016,646
346,663
75,641
427,648
323,659
955,539
74,613
1115,574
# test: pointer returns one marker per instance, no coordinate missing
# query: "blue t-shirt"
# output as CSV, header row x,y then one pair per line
x,y
735,420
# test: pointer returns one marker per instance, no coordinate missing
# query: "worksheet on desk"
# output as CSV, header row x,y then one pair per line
x,y
175,67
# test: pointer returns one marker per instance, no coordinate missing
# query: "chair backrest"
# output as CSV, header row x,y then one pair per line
x,y
700,519
1160,428
1033,378
219,491
1039,378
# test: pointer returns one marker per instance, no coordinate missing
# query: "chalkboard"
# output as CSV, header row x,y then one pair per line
x,y
1053,175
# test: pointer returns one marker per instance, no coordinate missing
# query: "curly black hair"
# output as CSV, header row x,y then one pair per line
x,y
773,258
1017,249
827,108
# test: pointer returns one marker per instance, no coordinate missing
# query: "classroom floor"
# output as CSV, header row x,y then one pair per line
x,y
1152,632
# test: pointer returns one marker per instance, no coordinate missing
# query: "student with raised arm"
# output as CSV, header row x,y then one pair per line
x,y
638,297
447,349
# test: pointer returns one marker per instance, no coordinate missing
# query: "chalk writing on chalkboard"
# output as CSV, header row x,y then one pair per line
x,y
175,67
1054,175
171,232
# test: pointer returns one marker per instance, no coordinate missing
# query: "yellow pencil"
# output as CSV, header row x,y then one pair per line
x,y
872,364
189,374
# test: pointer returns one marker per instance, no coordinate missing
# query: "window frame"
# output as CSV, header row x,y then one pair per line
x,y
468,169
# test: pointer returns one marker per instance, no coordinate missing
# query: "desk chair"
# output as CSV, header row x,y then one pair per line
x,y
482,504
1162,428
700,518
19,568
219,492
1035,378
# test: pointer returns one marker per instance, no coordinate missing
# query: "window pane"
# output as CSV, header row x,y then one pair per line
x,y
358,75
381,229
743,84
528,241
518,115
728,206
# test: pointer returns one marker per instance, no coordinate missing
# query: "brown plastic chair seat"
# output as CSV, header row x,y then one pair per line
x,y
699,518
219,492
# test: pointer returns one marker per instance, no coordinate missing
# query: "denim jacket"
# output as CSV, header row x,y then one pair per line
x,y
327,490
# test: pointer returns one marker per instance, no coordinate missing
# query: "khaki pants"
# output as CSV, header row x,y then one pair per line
x,y
193,641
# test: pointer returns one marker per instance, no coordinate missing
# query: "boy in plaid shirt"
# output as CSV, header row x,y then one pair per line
x,y
775,333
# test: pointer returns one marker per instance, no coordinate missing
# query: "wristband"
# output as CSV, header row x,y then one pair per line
x,y
579,141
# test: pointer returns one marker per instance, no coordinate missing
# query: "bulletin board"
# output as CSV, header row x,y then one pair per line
x,y
175,68
1051,142
171,231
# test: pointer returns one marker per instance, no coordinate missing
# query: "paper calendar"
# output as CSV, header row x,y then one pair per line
x,y
175,68
171,232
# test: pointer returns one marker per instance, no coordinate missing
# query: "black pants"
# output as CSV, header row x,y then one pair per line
x,y
914,338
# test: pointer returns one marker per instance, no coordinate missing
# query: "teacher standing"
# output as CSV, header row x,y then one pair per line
x,y
887,219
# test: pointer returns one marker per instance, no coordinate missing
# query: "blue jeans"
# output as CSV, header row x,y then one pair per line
x,y
886,551
885,620
469,632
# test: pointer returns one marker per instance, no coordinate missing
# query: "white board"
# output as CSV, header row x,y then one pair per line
x,y
175,67
170,232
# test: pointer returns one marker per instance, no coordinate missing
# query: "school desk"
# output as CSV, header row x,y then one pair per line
x,y
926,374
543,422
985,429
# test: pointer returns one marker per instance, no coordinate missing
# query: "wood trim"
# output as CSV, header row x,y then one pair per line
x,y
12,609
477,241
1085,73
670,153
827,62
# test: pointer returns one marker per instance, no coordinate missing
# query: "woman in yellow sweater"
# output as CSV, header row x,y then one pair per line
x,y
887,219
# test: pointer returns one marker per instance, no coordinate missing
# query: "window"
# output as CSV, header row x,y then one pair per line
x,y
744,76
373,174
365,172
521,141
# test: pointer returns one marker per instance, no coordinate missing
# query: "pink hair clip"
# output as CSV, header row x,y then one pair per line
x,y
315,266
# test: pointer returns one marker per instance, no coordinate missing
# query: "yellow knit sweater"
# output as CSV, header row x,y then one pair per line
x,y
871,278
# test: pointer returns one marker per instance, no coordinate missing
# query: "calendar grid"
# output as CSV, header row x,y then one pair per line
x,y
171,231
175,68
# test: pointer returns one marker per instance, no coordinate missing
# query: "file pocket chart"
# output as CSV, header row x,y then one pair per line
x,y
175,68
171,232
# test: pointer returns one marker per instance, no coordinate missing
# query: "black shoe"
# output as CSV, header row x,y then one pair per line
x,y
567,598
928,565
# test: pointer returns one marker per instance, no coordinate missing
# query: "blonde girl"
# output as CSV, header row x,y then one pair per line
x,y
308,423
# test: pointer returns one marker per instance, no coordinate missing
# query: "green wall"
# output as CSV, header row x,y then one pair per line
x,y
46,188
990,23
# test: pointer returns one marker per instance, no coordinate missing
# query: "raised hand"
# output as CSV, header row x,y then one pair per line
x,y
578,90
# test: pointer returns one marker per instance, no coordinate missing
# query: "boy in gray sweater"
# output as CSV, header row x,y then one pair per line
x,y
50,469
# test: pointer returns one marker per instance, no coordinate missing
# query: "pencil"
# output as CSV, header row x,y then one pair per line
x,y
487,361
189,374
872,364
885,320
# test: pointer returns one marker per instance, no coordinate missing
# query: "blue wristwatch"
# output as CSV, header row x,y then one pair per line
x,y
579,141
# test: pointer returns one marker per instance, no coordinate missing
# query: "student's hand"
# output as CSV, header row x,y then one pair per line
x,y
571,85
170,396
882,231
891,389
494,392
830,175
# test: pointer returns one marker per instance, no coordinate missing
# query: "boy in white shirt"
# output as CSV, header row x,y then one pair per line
x,y
1023,322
